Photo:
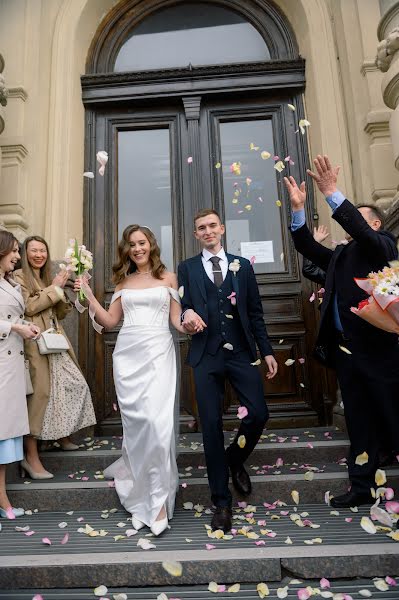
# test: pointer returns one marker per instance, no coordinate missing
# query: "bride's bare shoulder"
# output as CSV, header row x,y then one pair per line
x,y
170,279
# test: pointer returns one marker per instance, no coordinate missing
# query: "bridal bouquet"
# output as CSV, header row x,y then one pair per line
x,y
78,260
381,309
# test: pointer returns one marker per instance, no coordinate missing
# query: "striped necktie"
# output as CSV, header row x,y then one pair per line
x,y
217,271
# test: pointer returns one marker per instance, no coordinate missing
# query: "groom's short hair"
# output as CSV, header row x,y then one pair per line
x,y
204,213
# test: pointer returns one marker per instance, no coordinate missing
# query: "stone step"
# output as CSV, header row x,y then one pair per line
x,y
67,493
321,444
200,592
336,548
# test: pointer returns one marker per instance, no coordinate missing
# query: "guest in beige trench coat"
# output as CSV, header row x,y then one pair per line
x,y
13,330
44,298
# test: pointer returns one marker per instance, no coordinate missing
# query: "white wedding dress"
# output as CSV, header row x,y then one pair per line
x,y
144,363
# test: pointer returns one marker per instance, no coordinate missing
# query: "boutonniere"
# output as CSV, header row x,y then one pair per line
x,y
235,266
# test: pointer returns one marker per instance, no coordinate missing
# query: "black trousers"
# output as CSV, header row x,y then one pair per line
x,y
210,375
369,382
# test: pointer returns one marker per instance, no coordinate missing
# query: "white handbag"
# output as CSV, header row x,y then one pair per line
x,y
52,342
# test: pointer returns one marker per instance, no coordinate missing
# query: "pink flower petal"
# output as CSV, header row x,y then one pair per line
x,y
389,494
303,594
184,485
65,539
312,297
29,533
301,360
221,588
276,157
37,597
252,259
111,484
324,583
242,504
348,519
115,406
390,580
392,506
46,541
210,546
279,462
242,412
309,445
260,543
190,160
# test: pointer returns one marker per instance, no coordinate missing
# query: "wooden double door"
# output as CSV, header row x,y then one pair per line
x,y
170,157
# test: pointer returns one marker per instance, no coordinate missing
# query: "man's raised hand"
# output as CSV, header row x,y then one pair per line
x,y
326,176
297,194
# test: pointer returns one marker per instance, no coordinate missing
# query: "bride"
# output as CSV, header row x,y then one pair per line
x,y
144,364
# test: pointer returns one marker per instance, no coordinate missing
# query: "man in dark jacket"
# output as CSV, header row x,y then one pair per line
x,y
222,307
366,358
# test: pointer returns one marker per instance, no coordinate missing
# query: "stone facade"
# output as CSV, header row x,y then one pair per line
x,y
349,101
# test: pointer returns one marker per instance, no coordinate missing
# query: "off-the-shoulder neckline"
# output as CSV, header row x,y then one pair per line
x,y
154,287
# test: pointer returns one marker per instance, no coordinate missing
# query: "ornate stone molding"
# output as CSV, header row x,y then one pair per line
x,y
368,66
18,92
386,50
3,93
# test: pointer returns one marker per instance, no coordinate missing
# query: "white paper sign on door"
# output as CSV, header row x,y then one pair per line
x,y
262,251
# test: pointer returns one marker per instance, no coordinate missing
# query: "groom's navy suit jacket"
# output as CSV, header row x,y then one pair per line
x,y
191,275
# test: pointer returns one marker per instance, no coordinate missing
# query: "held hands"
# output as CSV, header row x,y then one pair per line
x,y
192,322
271,365
61,278
320,233
326,176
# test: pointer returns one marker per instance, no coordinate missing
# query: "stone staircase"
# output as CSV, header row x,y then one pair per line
x,y
274,541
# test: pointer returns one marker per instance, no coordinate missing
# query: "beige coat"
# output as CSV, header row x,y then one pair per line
x,y
13,409
39,309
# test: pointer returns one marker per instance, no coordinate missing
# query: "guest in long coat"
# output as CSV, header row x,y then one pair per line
x,y
14,330
61,403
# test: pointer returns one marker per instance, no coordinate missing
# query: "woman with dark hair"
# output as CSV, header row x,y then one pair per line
x,y
61,402
144,363
14,330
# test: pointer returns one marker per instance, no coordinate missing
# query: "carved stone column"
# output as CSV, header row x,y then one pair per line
x,y
387,61
3,102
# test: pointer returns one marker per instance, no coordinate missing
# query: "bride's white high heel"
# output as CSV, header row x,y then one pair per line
x,y
137,524
159,526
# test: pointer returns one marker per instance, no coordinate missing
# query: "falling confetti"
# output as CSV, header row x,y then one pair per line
x,y
295,496
362,459
253,147
291,107
218,165
235,168
345,350
190,160
278,203
228,346
289,362
88,174
101,590
102,158
380,477
256,363
174,568
279,166
241,441
242,412
303,123
265,155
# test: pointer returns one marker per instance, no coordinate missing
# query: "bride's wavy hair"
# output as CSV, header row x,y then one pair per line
x,y
125,265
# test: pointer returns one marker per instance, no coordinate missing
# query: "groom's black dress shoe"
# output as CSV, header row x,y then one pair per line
x,y
222,519
351,499
241,480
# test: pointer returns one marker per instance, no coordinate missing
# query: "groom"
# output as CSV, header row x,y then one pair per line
x,y
222,307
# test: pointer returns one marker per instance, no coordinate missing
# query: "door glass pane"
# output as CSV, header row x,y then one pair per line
x,y
196,33
144,185
252,215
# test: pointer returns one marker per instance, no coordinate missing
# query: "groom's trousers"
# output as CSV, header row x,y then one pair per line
x,y
210,376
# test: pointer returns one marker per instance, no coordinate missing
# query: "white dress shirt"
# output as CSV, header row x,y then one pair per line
x,y
208,266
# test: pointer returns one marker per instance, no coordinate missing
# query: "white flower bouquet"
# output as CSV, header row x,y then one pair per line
x,y
381,309
79,260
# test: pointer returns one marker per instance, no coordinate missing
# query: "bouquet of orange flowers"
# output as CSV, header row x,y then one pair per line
x,y
381,309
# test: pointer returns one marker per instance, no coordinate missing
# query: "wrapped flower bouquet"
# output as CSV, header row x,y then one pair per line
x,y
381,309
